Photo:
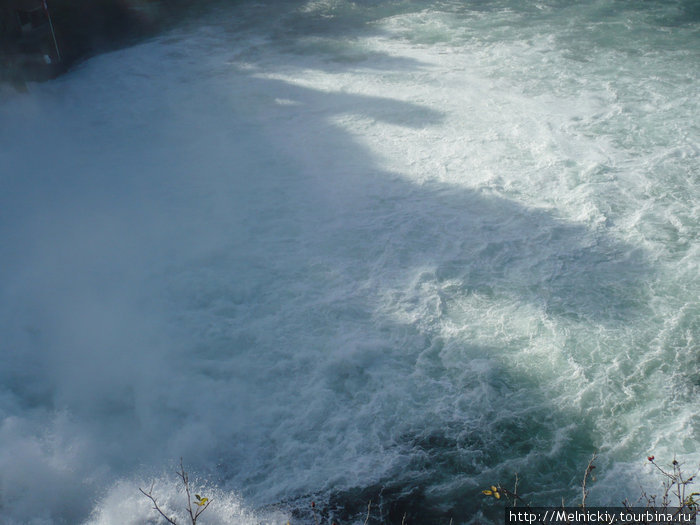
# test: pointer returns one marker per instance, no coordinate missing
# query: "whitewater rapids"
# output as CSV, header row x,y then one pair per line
x,y
344,252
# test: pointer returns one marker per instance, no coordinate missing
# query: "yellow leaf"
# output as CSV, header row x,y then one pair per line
x,y
497,495
494,488
486,492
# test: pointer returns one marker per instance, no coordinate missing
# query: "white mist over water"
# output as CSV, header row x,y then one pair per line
x,y
350,251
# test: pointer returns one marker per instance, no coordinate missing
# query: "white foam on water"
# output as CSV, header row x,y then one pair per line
x,y
125,504
331,247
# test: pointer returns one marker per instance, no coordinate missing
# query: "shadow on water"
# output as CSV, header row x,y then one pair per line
x,y
387,231
384,233
365,241
486,243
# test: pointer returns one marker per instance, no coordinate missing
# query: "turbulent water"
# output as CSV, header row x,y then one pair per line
x,y
351,252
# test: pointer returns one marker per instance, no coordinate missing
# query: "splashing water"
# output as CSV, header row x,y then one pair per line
x,y
351,251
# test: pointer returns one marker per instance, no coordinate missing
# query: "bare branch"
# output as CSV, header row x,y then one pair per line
x,y
202,503
201,509
186,482
149,495
313,509
589,469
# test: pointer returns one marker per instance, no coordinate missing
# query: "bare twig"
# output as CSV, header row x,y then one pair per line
x,y
149,495
677,495
369,506
511,495
202,503
313,509
186,482
589,469
676,484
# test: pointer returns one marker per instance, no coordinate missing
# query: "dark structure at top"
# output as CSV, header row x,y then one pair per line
x,y
39,39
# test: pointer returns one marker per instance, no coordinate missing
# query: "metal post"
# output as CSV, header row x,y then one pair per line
x,y
53,33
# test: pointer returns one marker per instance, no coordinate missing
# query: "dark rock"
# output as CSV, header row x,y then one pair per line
x,y
40,41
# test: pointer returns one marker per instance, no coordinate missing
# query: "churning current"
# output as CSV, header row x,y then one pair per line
x,y
385,253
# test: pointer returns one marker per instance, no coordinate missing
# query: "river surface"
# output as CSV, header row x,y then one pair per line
x,y
385,253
